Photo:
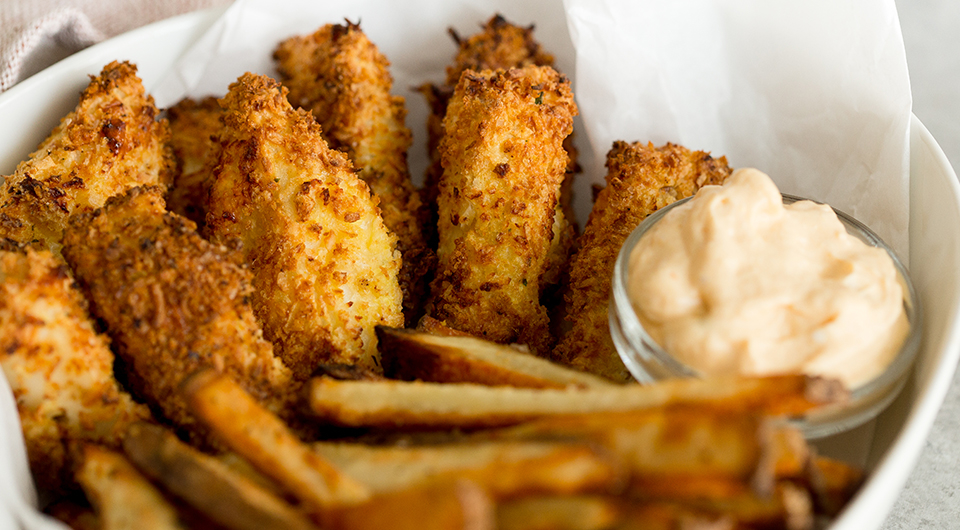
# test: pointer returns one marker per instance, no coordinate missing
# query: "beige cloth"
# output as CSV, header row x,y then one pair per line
x,y
37,33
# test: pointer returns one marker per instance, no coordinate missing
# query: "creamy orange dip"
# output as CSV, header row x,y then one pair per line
x,y
734,281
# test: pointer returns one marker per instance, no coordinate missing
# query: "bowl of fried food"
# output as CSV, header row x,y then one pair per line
x,y
238,311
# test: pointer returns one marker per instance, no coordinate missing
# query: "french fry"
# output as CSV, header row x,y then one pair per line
x,y
75,515
263,439
505,469
407,354
559,513
401,404
438,505
207,484
121,496
684,451
832,483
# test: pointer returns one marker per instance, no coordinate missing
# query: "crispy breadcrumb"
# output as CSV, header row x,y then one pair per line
x,y
111,142
344,81
172,302
640,180
59,368
193,128
325,266
503,161
498,46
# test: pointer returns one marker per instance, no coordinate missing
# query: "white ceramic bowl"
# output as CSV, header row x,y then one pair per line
x,y
889,446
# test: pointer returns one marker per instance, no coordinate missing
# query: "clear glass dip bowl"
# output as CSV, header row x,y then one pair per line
x,y
648,362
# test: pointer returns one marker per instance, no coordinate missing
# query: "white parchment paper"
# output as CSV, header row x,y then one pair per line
x,y
814,93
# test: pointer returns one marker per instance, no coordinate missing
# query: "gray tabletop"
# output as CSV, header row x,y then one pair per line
x,y
931,34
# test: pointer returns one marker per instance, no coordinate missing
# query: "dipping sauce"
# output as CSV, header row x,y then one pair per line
x,y
734,281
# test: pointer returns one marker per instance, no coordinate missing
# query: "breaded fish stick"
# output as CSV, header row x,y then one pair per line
x,y
640,180
59,368
503,161
498,46
193,128
172,302
344,81
111,142
324,265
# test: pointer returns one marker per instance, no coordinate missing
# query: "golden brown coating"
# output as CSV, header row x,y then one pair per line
x,y
640,180
324,265
172,302
59,368
111,142
503,161
193,128
344,81
498,46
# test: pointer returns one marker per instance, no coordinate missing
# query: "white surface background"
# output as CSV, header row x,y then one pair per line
x,y
931,34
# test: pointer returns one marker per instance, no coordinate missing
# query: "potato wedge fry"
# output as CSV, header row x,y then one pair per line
x,y
505,469
207,484
121,496
263,439
401,404
408,354
559,513
440,505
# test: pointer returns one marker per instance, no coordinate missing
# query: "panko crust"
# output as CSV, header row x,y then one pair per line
x,y
193,137
640,179
111,142
503,161
499,45
172,303
59,368
325,266
341,77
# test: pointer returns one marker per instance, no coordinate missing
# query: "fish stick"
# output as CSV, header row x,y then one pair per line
x,y
59,368
504,161
324,265
499,45
110,143
344,81
193,128
173,303
640,179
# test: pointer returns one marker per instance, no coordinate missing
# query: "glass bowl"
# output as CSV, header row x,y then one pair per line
x,y
648,362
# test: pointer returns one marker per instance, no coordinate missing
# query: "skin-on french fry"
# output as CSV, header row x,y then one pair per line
x,y
207,484
684,451
505,469
121,496
558,513
407,354
441,505
832,484
75,515
401,404
263,439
